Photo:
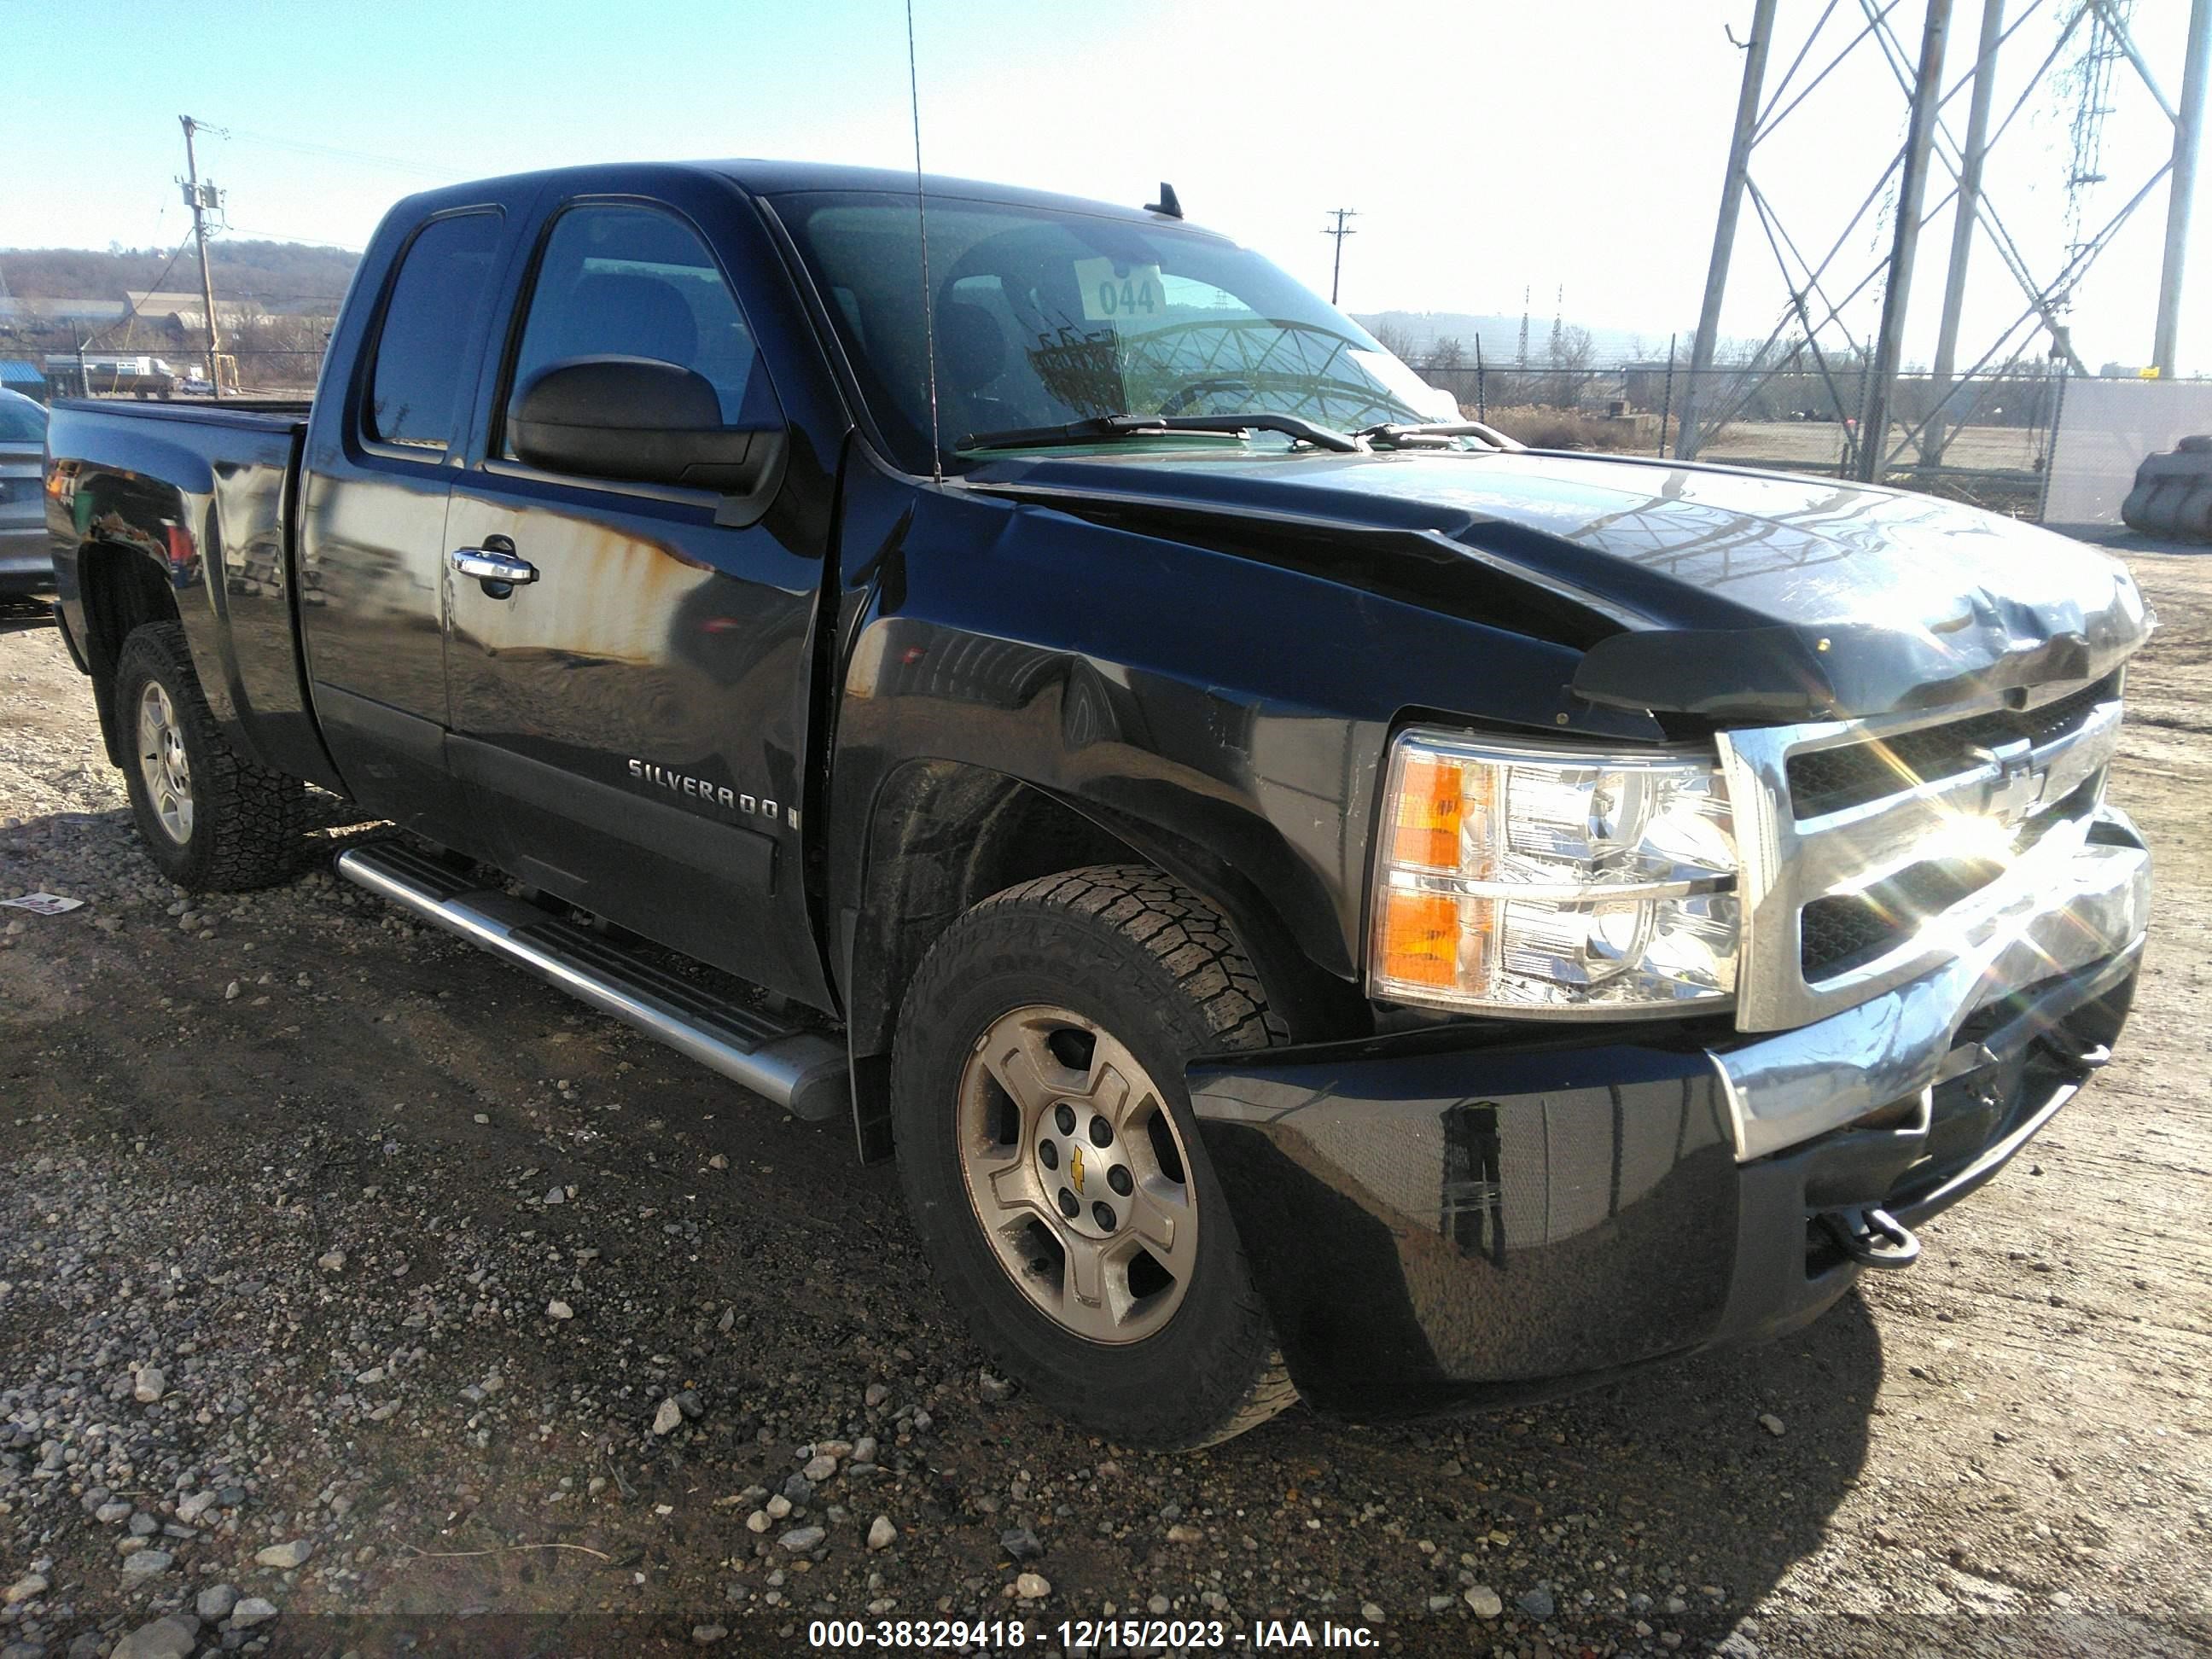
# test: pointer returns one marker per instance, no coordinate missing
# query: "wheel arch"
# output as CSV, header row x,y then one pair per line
x,y
121,589
944,834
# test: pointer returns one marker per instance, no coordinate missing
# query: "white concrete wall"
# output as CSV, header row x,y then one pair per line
x,y
2105,430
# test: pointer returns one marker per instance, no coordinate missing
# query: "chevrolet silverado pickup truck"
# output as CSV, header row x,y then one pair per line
x,y
1319,899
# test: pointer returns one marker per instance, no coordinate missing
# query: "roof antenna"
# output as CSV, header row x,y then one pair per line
x,y
921,210
1167,204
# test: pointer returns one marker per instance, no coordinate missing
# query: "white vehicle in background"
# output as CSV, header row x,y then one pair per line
x,y
113,374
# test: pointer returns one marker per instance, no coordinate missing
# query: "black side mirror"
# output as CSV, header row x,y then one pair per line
x,y
637,418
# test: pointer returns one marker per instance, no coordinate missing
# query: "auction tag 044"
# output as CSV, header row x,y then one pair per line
x,y
1112,296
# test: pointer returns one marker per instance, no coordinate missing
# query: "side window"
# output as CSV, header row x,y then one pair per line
x,y
639,282
421,371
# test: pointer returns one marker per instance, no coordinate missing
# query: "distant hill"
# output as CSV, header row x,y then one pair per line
x,y
282,275
1501,335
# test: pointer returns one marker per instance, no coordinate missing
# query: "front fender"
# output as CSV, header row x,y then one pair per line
x,y
1220,712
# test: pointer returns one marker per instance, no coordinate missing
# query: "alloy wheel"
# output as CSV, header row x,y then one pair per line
x,y
164,764
1077,1174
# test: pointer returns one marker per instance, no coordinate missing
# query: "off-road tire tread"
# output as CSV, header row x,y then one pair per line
x,y
1192,941
255,817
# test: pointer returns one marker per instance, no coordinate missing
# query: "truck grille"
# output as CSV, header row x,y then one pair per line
x,y
1826,781
1872,834
1848,930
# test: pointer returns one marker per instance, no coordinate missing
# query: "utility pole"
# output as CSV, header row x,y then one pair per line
x,y
1739,170
2188,137
199,201
1339,230
1912,190
1935,435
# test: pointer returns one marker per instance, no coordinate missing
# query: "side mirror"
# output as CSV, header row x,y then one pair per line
x,y
637,418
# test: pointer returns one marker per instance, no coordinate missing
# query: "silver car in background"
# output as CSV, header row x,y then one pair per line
x,y
27,565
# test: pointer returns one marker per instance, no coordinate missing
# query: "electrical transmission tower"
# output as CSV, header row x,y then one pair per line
x,y
1339,230
1930,153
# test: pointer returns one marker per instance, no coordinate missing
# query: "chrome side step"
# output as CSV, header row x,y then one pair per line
x,y
799,1070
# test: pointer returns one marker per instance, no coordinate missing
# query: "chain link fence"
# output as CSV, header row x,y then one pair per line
x,y
2106,428
1987,440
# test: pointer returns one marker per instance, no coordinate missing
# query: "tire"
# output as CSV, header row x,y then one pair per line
x,y
1132,1313
210,817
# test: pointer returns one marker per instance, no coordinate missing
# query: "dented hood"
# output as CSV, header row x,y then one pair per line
x,y
1733,595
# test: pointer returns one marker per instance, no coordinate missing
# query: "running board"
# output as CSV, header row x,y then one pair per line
x,y
799,1070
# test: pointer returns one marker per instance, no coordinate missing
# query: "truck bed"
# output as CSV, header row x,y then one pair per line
x,y
262,414
209,490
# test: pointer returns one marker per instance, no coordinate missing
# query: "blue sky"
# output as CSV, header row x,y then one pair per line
x,y
1487,146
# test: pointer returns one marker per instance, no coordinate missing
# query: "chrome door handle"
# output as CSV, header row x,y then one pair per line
x,y
490,565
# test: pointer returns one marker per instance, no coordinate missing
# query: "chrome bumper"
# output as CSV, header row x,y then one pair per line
x,y
2073,904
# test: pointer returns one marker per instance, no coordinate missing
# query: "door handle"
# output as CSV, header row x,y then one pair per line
x,y
491,564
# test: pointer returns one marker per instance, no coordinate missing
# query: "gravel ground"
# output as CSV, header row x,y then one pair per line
x,y
357,1293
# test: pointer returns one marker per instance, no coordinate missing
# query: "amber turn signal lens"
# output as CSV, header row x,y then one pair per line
x,y
1430,804
1420,938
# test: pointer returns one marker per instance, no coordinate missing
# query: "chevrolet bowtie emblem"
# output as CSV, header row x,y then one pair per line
x,y
1075,1168
2017,788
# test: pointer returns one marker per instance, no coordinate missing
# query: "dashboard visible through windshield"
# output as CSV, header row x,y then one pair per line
x,y
1044,317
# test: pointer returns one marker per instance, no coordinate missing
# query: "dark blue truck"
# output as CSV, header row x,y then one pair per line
x,y
1320,899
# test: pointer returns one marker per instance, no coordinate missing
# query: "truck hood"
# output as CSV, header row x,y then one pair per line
x,y
1716,591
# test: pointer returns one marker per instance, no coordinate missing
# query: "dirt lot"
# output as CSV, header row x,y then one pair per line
x,y
1797,443
421,1252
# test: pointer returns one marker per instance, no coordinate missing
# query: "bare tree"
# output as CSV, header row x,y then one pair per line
x,y
274,352
1396,339
1570,356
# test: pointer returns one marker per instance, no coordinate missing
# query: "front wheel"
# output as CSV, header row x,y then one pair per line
x,y
1053,1165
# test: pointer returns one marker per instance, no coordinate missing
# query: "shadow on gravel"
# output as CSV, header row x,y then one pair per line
x,y
21,616
1669,1479
2119,539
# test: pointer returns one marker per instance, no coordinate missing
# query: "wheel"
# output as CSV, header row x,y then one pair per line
x,y
210,817
1053,1165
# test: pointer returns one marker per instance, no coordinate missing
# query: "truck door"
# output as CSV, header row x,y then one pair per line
x,y
372,538
635,701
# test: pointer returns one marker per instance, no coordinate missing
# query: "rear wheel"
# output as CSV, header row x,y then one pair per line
x,y
1052,1163
208,816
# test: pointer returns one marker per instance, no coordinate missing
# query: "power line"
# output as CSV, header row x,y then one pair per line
x,y
336,152
131,311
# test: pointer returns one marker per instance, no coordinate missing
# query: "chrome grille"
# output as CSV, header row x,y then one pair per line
x,y
1868,844
1824,781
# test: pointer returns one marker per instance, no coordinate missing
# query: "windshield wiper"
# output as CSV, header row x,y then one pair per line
x,y
1434,434
1137,426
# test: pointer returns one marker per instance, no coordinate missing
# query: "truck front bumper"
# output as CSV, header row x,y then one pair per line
x,y
1441,1218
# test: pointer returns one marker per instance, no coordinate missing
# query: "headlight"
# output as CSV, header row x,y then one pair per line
x,y
1536,881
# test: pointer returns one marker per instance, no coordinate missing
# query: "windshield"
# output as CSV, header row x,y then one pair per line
x,y
1045,317
21,421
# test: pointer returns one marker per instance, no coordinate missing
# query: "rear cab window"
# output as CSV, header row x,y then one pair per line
x,y
421,373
